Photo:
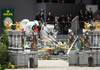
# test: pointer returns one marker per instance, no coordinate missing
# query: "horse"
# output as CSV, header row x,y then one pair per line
x,y
48,33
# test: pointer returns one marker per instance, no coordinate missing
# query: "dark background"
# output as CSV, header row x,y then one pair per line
x,y
29,8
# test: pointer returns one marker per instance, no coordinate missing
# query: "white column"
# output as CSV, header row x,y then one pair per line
x,y
9,39
20,41
12,41
96,40
16,41
92,41
99,40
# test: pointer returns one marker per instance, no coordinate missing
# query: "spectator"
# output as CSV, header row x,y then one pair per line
x,y
90,16
81,20
56,19
62,24
86,15
68,22
50,18
41,16
81,15
37,17
71,17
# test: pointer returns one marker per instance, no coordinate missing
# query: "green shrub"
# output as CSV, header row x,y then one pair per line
x,y
1,67
4,39
4,55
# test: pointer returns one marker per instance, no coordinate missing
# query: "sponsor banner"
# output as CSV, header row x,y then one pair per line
x,y
7,17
